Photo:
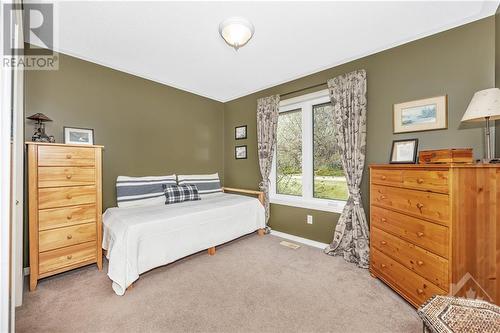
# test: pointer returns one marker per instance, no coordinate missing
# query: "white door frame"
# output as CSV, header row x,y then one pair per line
x,y
5,194
18,172
11,179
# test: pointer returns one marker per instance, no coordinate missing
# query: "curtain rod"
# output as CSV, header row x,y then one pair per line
x,y
307,88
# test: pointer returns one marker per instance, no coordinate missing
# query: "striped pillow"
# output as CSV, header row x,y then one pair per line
x,y
142,191
206,184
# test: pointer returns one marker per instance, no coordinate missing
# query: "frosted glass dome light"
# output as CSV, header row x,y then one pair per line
x,y
236,31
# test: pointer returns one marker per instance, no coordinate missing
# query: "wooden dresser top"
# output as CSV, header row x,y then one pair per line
x,y
433,166
62,144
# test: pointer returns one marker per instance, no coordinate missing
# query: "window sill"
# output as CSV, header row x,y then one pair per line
x,y
333,206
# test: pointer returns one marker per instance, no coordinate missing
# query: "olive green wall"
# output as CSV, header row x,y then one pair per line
x,y
456,63
147,128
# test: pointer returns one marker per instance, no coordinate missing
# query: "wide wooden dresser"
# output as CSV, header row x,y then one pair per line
x,y
434,229
65,208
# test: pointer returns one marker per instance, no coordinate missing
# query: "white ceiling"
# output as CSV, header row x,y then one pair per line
x,y
177,43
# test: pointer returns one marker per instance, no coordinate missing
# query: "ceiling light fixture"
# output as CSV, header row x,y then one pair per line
x,y
236,31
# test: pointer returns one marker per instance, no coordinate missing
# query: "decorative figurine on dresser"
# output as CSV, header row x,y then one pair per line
x,y
39,135
435,229
65,208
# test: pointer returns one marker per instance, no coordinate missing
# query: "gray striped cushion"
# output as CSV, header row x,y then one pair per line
x,y
206,184
141,191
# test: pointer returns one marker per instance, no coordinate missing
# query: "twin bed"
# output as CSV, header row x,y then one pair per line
x,y
138,239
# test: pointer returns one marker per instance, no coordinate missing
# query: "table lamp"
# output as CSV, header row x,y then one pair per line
x,y
39,135
484,106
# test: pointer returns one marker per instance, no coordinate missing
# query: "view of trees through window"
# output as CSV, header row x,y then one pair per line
x,y
329,179
289,153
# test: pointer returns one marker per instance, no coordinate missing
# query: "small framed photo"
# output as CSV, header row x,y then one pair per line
x,y
240,152
240,132
404,151
78,136
421,115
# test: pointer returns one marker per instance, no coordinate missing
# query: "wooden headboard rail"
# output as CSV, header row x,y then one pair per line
x,y
259,194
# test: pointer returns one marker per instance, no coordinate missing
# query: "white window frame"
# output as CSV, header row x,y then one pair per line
x,y
305,103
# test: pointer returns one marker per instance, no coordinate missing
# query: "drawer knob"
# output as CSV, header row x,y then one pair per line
x,y
420,234
383,219
69,217
420,205
420,180
68,176
69,236
69,257
68,156
383,265
420,262
382,197
420,291
383,177
383,242
69,197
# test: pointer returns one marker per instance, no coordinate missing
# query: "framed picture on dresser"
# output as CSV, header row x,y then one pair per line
x,y
404,151
78,136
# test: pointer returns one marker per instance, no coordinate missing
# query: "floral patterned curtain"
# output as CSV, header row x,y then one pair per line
x,y
348,97
267,123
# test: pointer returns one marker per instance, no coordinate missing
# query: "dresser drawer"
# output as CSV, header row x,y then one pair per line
x,y
433,206
65,257
63,217
62,156
430,266
65,176
387,177
409,284
61,237
428,235
66,196
427,180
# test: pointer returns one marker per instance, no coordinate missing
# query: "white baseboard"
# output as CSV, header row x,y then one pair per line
x,y
26,271
298,239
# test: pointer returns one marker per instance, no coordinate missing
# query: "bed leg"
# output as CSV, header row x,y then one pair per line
x,y
261,198
261,232
211,251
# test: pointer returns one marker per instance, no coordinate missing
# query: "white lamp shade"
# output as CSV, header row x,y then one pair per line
x,y
484,103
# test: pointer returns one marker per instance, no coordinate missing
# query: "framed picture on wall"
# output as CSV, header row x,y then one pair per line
x,y
421,115
78,136
240,152
240,132
404,151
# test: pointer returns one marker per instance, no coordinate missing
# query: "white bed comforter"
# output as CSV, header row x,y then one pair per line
x,y
138,239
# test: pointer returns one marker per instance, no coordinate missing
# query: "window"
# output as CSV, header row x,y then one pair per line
x,y
307,170
329,178
289,153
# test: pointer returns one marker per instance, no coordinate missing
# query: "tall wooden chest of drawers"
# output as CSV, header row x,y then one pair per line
x,y
434,229
65,208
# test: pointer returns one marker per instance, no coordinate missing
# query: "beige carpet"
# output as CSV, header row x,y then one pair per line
x,y
251,285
